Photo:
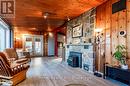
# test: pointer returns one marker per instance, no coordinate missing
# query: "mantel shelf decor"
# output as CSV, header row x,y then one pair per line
x,y
77,31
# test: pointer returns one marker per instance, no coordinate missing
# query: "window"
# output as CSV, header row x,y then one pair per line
x,y
5,35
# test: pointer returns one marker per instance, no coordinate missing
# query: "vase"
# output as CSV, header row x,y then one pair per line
x,y
124,67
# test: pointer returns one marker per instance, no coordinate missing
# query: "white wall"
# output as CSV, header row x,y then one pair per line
x,y
61,38
51,45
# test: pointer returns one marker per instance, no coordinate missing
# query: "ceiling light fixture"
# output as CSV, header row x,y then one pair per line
x,y
45,15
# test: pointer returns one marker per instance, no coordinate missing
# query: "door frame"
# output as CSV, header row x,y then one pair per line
x,y
33,43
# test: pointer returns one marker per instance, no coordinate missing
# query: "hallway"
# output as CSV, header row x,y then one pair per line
x,y
53,72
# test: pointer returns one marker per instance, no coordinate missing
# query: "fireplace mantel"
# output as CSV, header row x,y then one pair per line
x,y
80,44
87,54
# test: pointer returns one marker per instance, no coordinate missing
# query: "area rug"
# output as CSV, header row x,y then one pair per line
x,y
75,85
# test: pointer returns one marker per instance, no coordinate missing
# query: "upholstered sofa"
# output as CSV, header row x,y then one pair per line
x,y
12,54
15,72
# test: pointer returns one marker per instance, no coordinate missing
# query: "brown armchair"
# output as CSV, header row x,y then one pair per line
x,y
11,53
10,71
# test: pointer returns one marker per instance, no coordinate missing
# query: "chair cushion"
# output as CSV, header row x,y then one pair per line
x,y
22,60
11,53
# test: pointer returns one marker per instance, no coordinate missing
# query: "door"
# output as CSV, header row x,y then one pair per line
x,y
28,44
33,44
38,46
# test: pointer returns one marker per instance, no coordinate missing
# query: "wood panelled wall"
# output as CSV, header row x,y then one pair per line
x,y
45,44
18,37
111,25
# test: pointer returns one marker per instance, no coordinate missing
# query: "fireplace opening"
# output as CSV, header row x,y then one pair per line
x,y
75,59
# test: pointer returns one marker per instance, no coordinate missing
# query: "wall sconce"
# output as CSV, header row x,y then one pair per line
x,y
17,39
98,35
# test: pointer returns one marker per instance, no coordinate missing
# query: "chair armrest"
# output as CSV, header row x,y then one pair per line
x,y
16,68
22,60
15,64
5,77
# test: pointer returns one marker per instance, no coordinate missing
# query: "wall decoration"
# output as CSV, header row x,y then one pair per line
x,y
77,31
86,23
122,33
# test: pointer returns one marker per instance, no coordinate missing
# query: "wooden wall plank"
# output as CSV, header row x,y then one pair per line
x,y
122,27
107,34
128,30
114,33
98,25
114,23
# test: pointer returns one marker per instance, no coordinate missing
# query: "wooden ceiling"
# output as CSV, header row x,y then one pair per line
x,y
29,13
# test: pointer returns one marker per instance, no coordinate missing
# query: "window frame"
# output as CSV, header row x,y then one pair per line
x,y
8,34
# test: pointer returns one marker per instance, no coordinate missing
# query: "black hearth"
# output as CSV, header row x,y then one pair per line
x,y
75,59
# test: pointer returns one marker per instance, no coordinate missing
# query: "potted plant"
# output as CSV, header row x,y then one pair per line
x,y
120,54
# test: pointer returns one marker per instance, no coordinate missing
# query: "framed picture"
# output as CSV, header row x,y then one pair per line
x,y
77,31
